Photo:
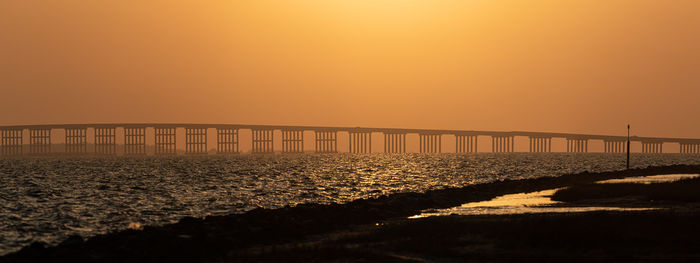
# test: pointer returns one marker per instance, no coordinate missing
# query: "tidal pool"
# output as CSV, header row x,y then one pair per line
x,y
541,201
664,178
521,203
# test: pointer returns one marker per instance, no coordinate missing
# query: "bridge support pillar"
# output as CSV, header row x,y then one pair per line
x,y
693,148
540,144
227,141
574,145
195,140
326,141
165,141
39,141
394,142
465,143
292,141
263,140
430,143
105,141
76,140
360,142
615,146
652,147
134,140
502,144
11,142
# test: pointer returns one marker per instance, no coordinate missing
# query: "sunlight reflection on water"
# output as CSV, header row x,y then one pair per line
x,y
521,203
664,178
541,202
48,199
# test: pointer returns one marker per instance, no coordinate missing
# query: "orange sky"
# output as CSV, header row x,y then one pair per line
x,y
563,66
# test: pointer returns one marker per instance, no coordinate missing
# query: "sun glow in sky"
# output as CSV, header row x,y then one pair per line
x,y
542,65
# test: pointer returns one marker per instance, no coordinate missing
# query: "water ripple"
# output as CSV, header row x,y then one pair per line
x,y
49,199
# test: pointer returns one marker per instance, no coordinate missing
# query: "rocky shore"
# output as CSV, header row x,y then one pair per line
x,y
376,230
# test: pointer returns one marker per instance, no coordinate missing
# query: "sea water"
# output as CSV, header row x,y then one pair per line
x,y
48,199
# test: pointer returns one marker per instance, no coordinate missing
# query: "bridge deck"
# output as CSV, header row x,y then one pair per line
x,y
358,129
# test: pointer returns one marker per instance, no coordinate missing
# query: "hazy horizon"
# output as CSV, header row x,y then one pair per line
x,y
559,66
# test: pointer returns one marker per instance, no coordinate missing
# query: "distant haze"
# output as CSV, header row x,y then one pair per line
x,y
583,66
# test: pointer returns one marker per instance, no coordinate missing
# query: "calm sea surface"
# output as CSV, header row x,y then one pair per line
x,y
49,199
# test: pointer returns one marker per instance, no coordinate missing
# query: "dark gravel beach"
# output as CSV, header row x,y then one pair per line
x,y
376,230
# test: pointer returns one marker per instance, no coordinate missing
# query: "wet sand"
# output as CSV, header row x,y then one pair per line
x,y
378,230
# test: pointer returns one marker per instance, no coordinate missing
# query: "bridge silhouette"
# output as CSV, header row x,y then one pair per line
x,y
105,136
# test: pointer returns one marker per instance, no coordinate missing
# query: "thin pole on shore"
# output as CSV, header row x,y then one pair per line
x,y
628,146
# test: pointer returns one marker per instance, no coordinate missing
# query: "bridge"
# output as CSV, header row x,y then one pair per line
x,y
359,139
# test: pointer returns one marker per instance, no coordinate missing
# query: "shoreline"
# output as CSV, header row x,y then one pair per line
x,y
215,238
